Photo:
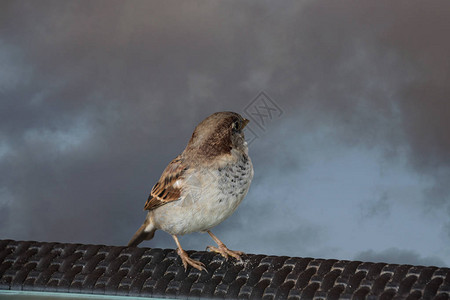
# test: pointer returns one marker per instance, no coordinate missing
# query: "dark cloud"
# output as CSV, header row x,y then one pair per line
x,y
377,208
97,97
399,256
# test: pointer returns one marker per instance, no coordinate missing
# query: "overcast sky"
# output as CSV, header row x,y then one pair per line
x,y
353,161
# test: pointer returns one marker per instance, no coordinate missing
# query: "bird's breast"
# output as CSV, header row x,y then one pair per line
x,y
234,179
209,196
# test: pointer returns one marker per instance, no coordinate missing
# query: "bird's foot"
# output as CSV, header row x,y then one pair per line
x,y
225,252
189,261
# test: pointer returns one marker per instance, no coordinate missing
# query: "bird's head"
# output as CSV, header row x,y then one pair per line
x,y
218,134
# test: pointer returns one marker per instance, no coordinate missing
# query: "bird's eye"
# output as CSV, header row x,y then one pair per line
x,y
236,125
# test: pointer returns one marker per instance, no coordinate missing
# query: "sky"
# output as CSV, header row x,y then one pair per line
x,y
349,105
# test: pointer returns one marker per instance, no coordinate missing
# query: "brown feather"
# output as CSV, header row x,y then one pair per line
x,y
210,141
164,190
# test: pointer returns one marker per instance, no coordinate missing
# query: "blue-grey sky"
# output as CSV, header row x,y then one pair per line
x,y
96,97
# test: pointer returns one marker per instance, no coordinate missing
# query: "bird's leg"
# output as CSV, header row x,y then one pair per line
x,y
222,249
185,258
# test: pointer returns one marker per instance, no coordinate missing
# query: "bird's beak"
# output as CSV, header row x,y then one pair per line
x,y
245,122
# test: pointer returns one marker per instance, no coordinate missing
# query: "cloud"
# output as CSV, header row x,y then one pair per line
x,y
378,208
399,256
110,92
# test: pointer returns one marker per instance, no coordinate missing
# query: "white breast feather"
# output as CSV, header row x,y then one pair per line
x,y
208,198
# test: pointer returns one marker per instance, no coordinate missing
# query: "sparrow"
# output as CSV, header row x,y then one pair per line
x,y
202,186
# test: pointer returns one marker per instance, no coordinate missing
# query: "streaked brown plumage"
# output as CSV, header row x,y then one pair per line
x,y
165,190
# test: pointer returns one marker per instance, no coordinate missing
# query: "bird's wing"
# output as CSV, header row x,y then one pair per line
x,y
168,188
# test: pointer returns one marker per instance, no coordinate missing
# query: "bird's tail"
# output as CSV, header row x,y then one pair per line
x,y
145,232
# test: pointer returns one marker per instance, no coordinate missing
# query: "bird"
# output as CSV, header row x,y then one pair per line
x,y
202,186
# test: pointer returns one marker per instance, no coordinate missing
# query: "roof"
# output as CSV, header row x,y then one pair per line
x,y
129,271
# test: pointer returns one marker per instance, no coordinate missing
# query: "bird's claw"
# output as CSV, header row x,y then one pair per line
x,y
186,260
225,252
